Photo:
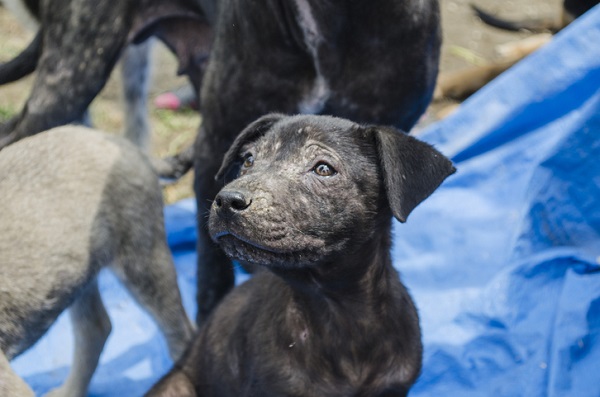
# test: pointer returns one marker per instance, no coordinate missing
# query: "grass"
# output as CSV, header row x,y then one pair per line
x,y
6,113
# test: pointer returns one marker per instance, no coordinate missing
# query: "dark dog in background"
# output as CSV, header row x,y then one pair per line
x,y
368,62
312,204
75,201
77,46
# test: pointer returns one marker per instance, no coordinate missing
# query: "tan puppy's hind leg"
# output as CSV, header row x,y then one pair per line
x,y
91,326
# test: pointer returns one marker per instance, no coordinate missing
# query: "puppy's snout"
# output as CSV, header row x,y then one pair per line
x,y
229,202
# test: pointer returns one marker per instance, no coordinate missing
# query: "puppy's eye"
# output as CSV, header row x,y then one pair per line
x,y
324,169
248,161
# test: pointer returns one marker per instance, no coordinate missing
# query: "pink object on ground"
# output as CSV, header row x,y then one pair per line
x,y
168,100
180,98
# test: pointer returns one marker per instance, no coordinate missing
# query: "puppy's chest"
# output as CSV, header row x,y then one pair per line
x,y
296,369
334,360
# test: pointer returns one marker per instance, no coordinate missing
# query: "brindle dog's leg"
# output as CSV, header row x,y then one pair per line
x,y
79,52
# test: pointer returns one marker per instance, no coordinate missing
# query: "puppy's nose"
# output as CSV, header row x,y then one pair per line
x,y
229,202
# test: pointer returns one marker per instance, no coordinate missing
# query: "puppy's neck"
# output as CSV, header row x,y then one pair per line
x,y
360,275
350,301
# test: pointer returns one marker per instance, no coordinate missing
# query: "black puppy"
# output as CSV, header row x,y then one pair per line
x,y
312,204
370,62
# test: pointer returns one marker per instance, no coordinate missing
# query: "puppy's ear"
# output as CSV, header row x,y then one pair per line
x,y
252,132
411,169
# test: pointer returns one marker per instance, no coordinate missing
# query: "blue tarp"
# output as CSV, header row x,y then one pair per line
x,y
503,260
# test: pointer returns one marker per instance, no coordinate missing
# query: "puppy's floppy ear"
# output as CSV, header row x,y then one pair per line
x,y
411,169
252,132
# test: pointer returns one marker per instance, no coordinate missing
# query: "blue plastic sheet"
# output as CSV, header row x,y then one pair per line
x,y
503,260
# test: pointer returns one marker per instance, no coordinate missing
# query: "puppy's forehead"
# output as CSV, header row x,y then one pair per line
x,y
293,133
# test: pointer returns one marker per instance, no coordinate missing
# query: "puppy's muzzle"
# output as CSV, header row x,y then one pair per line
x,y
231,202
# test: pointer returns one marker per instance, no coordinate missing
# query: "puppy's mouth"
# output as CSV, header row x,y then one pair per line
x,y
245,250
232,235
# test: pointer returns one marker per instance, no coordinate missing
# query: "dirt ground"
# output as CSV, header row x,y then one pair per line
x,y
466,42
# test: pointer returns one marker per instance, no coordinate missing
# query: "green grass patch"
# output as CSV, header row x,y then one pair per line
x,y
6,113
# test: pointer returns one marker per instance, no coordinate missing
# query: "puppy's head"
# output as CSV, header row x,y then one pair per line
x,y
304,189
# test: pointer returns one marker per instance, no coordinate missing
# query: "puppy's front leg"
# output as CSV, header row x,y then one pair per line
x,y
10,383
91,326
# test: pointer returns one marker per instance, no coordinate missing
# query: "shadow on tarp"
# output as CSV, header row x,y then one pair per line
x,y
503,260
